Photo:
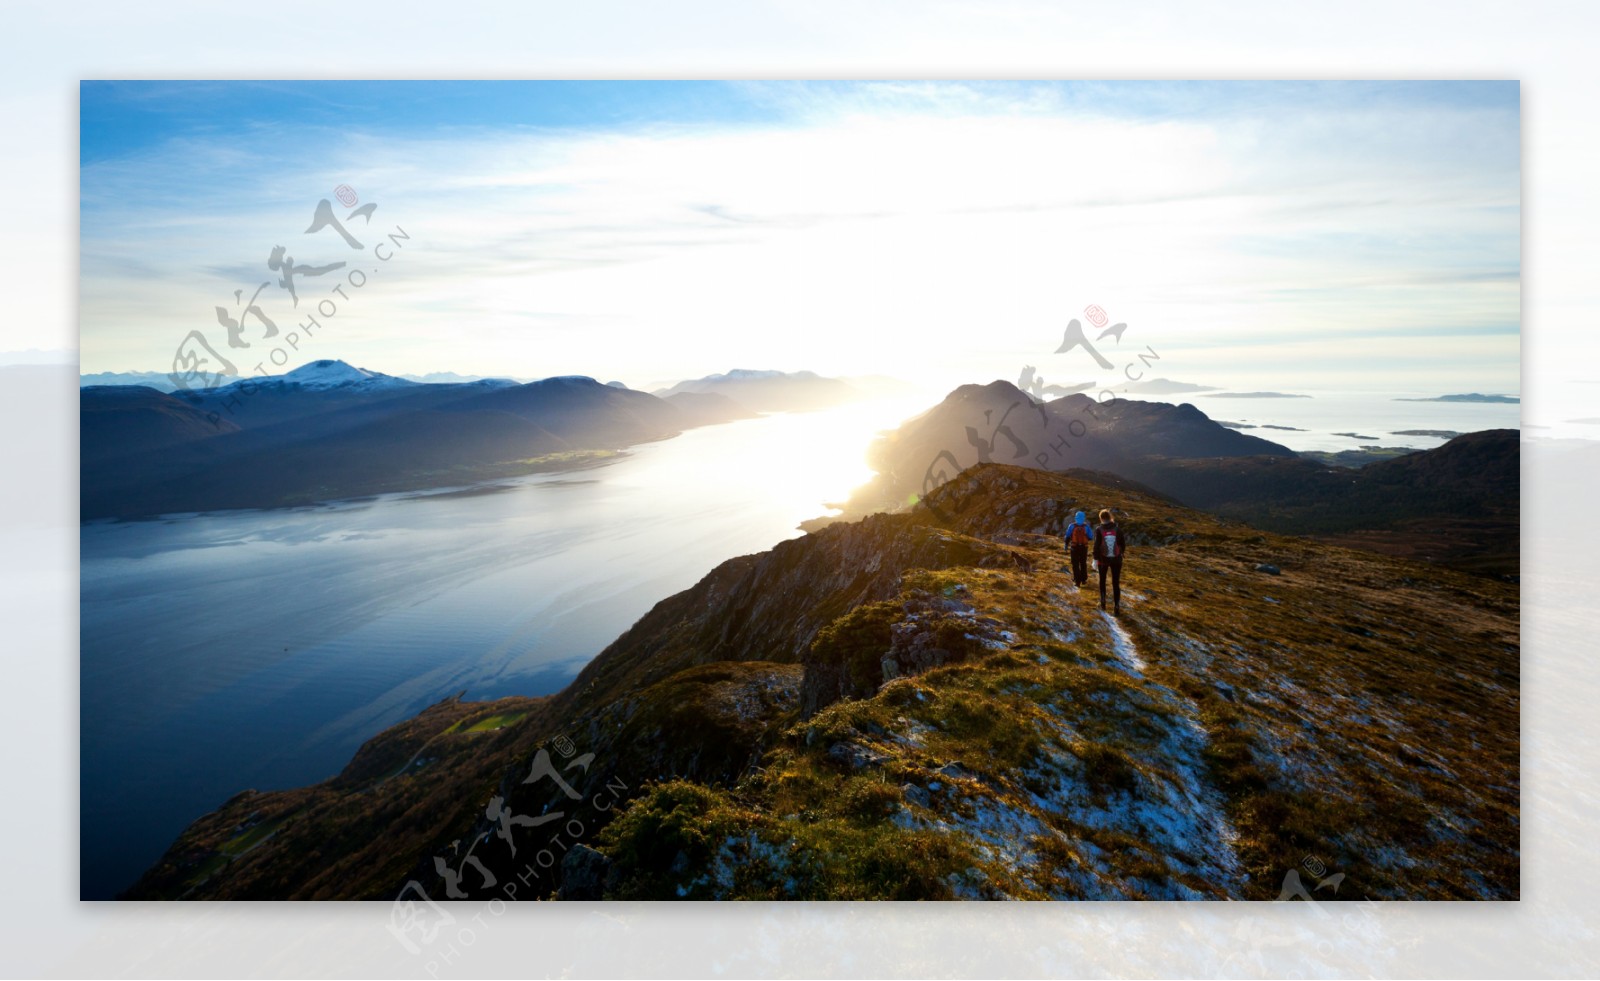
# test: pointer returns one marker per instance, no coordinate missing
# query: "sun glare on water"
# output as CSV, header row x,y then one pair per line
x,y
800,462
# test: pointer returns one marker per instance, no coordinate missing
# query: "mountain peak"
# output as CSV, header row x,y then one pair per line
x,y
997,389
329,373
568,381
744,373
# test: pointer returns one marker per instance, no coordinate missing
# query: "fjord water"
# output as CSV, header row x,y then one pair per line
x,y
259,649
1323,421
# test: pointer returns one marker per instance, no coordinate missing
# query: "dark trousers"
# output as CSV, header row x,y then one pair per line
x,y
1080,563
1114,566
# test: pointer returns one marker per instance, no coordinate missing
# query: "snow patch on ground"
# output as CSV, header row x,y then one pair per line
x,y
1170,806
743,852
1122,644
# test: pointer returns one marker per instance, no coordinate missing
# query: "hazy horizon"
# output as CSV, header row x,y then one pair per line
x,y
1205,387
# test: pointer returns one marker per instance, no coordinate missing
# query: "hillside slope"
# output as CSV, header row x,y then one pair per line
x,y
1456,504
125,420
921,705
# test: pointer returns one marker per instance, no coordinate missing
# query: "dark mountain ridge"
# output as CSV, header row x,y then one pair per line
x,y
125,420
1000,423
329,431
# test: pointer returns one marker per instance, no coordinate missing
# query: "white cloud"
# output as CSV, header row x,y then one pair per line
x,y
924,231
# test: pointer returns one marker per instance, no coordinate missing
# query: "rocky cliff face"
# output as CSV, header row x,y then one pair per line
x,y
922,705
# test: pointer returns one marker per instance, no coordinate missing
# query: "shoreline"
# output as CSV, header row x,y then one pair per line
x,y
583,460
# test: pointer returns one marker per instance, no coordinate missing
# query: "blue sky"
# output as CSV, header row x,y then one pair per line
x,y
1258,234
118,118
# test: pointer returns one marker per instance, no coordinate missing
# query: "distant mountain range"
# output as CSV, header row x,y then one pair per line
x,y
157,380
451,378
330,430
162,382
770,391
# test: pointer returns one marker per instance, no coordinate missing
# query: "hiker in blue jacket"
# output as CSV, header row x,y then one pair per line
x,y
1079,536
1108,549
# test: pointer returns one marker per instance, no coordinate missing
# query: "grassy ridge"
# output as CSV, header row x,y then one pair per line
x,y
921,705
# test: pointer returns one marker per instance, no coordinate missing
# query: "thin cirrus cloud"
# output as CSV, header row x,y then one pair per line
x,y
940,231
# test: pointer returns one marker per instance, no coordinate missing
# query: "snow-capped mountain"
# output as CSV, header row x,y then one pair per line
x,y
328,374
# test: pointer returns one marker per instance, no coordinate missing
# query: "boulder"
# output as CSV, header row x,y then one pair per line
x,y
583,874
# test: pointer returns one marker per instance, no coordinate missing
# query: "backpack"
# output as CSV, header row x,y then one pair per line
x,y
1110,542
1078,535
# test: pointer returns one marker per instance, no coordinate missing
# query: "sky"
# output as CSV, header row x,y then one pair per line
x,y
1255,235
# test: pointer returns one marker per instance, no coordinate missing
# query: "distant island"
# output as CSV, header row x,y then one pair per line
x,y
1166,386
1268,425
1355,435
1255,395
1440,433
1470,397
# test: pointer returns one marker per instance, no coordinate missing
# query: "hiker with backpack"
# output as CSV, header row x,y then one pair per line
x,y
1078,537
1108,548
